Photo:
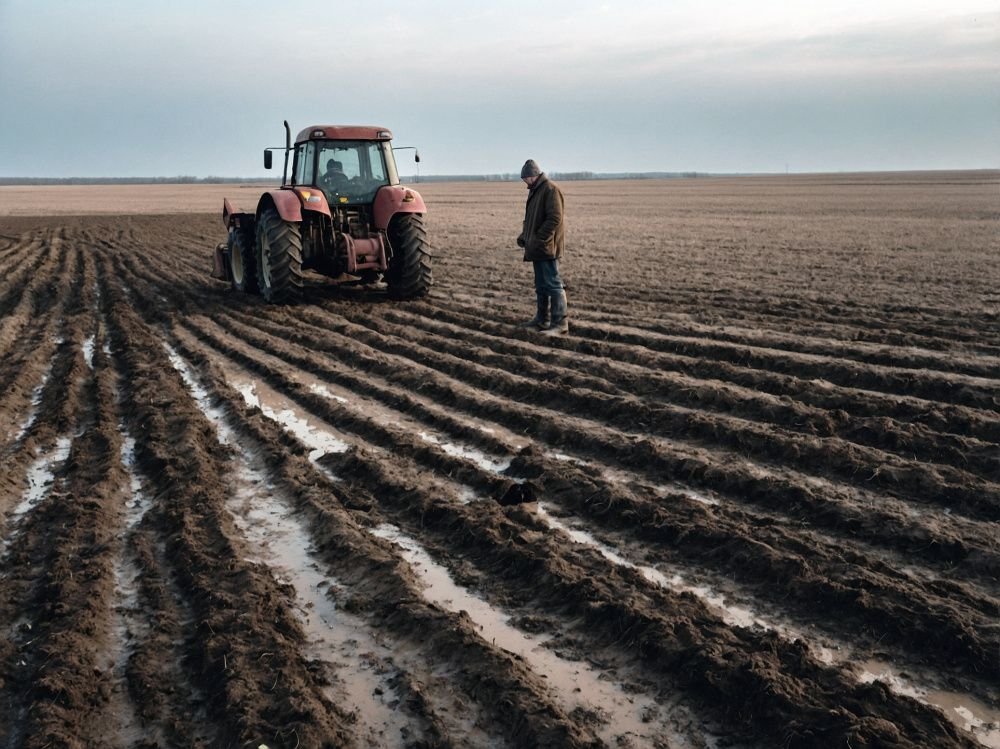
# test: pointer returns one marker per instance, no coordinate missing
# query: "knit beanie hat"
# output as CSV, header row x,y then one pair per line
x,y
530,169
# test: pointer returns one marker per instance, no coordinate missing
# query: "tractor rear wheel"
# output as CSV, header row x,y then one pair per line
x,y
279,258
409,274
242,261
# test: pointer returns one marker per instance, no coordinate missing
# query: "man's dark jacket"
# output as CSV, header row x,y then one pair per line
x,y
544,235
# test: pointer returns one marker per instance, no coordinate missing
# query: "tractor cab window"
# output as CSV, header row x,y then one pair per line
x,y
351,171
304,156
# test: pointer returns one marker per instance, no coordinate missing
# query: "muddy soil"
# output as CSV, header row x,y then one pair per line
x,y
750,500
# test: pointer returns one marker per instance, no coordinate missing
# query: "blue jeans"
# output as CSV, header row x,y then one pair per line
x,y
547,280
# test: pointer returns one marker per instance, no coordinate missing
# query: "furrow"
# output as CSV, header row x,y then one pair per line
x,y
865,466
511,696
240,614
620,379
900,357
275,536
677,637
698,528
803,500
945,418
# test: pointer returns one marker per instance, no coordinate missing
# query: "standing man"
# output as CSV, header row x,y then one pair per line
x,y
543,238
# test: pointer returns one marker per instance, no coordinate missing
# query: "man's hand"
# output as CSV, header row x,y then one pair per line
x,y
520,241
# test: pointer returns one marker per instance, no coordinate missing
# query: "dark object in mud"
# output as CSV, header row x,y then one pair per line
x,y
519,494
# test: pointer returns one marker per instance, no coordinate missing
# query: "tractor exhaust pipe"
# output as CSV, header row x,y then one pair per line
x,y
288,148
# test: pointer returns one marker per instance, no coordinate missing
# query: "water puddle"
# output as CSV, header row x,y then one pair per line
x,y
564,458
127,625
388,417
481,459
362,678
36,401
88,350
277,538
322,439
315,434
324,391
626,719
732,615
964,710
200,394
41,477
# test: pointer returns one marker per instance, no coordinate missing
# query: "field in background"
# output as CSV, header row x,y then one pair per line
x,y
764,465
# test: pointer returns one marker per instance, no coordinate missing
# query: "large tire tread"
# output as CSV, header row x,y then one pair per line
x,y
283,254
244,243
409,274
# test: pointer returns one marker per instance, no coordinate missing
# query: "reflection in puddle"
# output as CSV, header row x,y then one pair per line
x,y
970,714
324,391
88,350
627,719
963,710
733,615
319,440
127,625
40,476
36,401
481,459
279,539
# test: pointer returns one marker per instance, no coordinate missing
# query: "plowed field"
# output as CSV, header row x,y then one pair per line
x,y
750,500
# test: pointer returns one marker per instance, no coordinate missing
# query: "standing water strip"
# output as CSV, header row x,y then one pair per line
x,y
626,719
277,537
40,477
970,714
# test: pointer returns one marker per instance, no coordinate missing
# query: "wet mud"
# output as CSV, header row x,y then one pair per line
x,y
733,515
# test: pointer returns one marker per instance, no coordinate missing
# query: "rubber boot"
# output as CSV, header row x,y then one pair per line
x,y
541,319
560,321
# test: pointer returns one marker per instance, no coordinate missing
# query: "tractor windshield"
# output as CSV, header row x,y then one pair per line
x,y
350,171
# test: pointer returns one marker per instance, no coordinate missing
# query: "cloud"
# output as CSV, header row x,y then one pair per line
x,y
596,85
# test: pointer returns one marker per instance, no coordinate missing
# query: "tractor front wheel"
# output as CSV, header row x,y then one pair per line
x,y
242,261
409,273
279,258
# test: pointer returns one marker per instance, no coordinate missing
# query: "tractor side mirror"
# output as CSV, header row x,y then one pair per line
x,y
267,159
416,156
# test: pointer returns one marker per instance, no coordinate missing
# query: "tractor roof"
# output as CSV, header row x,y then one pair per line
x,y
343,132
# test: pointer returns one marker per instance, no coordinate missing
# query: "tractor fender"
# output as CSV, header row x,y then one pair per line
x,y
285,202
393,199
291,203
234,217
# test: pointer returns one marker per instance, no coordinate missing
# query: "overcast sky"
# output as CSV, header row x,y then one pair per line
x,y
199,87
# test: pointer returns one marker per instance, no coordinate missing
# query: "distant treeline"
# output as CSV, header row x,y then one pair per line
x,y
189,180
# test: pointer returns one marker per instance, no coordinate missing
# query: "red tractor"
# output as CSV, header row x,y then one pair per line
x,y
343,214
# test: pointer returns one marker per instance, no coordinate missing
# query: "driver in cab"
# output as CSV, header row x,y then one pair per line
x,y
334,178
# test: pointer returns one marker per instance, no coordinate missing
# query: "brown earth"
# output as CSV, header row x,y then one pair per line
x,y
751,500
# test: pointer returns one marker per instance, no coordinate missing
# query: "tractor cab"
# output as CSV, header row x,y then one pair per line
x,y
341,212
347,171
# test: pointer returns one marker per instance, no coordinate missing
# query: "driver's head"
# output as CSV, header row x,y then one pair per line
x,y
332,165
